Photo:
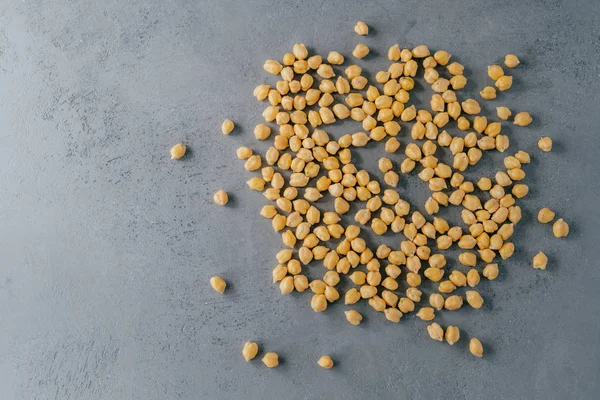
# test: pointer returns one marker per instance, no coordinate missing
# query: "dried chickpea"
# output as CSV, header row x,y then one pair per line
x,y
453,302
437,301
318,302
452,335
560,228
490,271
436,332
353,317
474,298
250,350
511,61
221,197
361,28
406,305
504,83
178,151
360,51
271,360
522,119
393,314
426,313
473,278
218,284
545,144
475,347
488,93
325,362
503,113
540,261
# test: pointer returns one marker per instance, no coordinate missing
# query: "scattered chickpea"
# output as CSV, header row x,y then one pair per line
x,y
353,317
221,197
540,261
504,83
227,127
503,113
475,347
511,61
271,360
218,284
560,228
250,350
522,119
360,51
178,151
325,362
436,332
361,28
546,215
545,144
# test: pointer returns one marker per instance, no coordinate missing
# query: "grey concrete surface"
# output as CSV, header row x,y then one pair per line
x,y
107,245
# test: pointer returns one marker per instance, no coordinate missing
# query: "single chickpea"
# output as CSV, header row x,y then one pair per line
x,y
540,261
475,347
361,28
178,151
218,284
560,228
511,61
271,360
545,144
325,362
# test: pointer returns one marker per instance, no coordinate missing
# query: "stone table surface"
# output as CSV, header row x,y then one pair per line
x,y
107,245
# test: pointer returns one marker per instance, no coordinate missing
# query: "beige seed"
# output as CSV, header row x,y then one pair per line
x,y
325,362
361,28
453,302
227,127
250,350
353,317
503,113
360,51
218,284
319,302
178,151
475,347
560,228
504,83
511,61
495,72
436,332
540,260
221,197
406,305
426,313
488,93
393,314
522,119
437,300
271,360
474,298
473,278
545,144
272,67
490,271
452,335
546,215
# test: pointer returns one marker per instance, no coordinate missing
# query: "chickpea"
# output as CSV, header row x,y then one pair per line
x,y
475,347
560,228
545,144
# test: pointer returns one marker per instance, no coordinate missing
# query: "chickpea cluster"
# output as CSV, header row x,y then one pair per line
x,y
306,168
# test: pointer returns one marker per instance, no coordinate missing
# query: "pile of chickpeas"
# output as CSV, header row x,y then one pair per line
x,y
305,167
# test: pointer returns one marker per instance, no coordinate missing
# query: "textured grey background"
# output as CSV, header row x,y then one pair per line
x,y
108,245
